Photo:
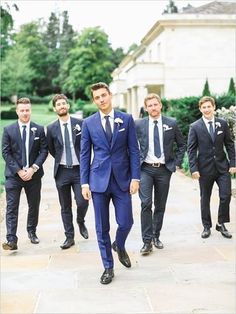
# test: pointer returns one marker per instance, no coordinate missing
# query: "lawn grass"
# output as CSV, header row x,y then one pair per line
x,y
40,115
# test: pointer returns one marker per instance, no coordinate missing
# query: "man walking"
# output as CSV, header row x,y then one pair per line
x,y
24,149
157,136
63,138
208,141
113,175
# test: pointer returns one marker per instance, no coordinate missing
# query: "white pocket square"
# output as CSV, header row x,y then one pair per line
x,y
36,138
219,132
121,130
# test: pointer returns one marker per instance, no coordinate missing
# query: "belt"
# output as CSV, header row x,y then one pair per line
x,y
154,164
69,167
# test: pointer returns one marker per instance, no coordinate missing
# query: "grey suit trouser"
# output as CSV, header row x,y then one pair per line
x,y
157,179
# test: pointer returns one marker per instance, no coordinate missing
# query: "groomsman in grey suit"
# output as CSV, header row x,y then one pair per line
x,y
157,136
24,149
208,142
63,138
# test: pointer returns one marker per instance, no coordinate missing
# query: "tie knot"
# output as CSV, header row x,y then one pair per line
x,y
23,126
155,122
210,122
65,124
107,117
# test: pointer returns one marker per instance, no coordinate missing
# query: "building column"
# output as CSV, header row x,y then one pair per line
x,y
142,93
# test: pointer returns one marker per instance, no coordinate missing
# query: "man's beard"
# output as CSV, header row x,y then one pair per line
x,y
62,114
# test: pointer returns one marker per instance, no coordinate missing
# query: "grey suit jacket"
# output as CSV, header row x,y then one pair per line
x,y
204,154
171,135
55,140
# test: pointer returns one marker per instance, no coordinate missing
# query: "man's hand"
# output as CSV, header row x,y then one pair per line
x,y
232,170
26,174
134,186
86,193
196,175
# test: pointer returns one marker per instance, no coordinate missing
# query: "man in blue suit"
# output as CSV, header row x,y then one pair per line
x,y
114,173
208,141
24,149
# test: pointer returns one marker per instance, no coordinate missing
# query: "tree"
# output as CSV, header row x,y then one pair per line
x,y
16,72
6,26
171,8
231,90
206,89
30,38
89,62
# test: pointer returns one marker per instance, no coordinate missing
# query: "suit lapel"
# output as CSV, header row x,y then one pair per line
x,y
58,131
31,137
17,135
115,128
146,131
72,130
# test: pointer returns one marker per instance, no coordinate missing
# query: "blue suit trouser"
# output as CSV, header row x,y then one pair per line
x,y
123,214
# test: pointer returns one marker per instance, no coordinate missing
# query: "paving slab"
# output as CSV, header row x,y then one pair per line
x,y
190,275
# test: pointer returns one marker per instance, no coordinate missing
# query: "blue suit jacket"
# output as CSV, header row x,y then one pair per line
x,y
121,157
12,149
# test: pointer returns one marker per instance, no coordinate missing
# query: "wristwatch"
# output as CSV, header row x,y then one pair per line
x,y
35,167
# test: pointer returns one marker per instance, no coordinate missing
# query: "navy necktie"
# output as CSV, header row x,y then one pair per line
x,y
211,130
24,158
157,147
108,129
69,162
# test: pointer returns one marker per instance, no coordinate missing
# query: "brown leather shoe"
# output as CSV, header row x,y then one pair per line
x,y
12,246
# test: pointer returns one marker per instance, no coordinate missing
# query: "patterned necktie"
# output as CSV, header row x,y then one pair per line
x,y
24,158
211,130
108,129
69,162
157,147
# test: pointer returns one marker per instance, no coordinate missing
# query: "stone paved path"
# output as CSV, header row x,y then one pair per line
x,y
190,275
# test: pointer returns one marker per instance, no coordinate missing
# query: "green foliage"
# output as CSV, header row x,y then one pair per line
x,y
206,89
230,116
89,109
88,62
225,101
16,72
9,114
185,110
231,90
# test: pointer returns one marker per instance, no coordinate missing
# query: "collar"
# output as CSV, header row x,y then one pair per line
x,y
206,121
111,114
21,124
63,122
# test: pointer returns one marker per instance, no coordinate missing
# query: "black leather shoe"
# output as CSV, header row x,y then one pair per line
x,y
157,243
33,238
206,233
83,230
67,244
107,276
225,233
122,255
10,246
146,249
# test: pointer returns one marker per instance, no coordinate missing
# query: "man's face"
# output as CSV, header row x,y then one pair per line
x,y
24,112
153,108
102,98
61,107
207,110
